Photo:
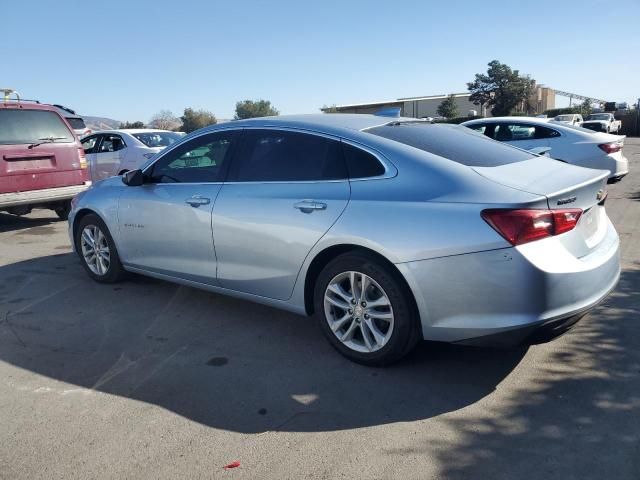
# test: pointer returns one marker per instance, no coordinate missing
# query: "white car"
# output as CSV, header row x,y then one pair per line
x,y
570,119
113,152
568,143
603,122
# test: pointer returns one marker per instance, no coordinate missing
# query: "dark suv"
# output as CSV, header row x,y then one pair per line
x,y
42,164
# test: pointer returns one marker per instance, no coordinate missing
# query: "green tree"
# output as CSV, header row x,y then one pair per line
x,y
137,124
502,89
195,119
448,108
586,108
252,109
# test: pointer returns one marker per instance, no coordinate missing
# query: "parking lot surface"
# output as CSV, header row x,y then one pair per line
x,y
147,379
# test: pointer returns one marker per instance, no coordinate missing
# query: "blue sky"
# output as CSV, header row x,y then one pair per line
x,y
128,60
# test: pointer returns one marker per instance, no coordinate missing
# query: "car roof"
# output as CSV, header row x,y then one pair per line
x,y
28,105
132,130
535,120
330,123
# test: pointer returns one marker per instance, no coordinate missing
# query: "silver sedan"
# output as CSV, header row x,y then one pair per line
x,y
390,231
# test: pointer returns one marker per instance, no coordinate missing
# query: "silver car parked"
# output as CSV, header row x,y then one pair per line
x,y
388,230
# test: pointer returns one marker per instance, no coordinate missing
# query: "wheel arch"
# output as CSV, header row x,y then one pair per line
x,y
80,214
323,257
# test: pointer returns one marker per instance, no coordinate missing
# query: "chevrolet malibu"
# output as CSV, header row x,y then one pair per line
x,y
389,231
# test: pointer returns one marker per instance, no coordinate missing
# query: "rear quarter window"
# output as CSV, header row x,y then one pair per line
x,y
31,126
76,123
456,143
361,164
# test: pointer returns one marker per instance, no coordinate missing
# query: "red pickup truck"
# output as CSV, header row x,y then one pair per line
x,y
42,163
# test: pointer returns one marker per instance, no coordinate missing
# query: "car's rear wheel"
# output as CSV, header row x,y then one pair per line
x,y
97,250
365,310
63,209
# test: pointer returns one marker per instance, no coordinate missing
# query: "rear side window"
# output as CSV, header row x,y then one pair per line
x,y
507,132
453,142
361,164
76,123
276,155
157,139
32,126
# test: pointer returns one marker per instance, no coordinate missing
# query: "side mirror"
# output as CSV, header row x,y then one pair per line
x,y
133,178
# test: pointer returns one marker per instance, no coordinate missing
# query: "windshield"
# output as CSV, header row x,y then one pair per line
x,y
157,139
564,118
453,142
32,126
599,116
76,123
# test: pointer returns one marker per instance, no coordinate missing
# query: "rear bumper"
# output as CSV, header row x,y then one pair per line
x,y
511,295
618,176
43,196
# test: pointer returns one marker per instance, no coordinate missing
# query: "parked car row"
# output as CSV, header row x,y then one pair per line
x,y
287,202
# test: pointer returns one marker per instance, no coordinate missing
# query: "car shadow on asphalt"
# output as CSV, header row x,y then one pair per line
x,y
222,362
578,418
10,223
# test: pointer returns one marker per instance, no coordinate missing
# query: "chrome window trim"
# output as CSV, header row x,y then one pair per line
x,y
390,169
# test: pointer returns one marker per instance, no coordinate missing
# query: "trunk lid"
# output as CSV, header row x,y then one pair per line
x,y
565,187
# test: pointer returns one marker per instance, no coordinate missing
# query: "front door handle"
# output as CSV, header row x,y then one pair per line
x,y
308,206
197,200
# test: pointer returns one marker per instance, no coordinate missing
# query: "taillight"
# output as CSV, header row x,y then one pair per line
x,y
83,159
612,147
523,226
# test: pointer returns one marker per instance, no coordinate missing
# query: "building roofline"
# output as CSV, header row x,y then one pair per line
x,y
396,101
433,97
365,104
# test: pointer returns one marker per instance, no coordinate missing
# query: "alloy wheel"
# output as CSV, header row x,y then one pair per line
x,y
358,311
95,250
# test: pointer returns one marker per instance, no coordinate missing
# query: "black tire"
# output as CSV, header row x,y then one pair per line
x,y
63,209
406,332
115,272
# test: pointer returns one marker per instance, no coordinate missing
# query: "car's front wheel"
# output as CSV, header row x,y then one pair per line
x,y
97,250
366,311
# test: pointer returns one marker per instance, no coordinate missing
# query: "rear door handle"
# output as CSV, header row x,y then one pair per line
x,y
308,206
197,200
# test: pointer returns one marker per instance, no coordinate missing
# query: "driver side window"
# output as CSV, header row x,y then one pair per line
x,y
201,160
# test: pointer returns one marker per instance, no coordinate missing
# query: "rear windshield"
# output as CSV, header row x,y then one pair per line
x,y
157,139
32,126
453,142
76,123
